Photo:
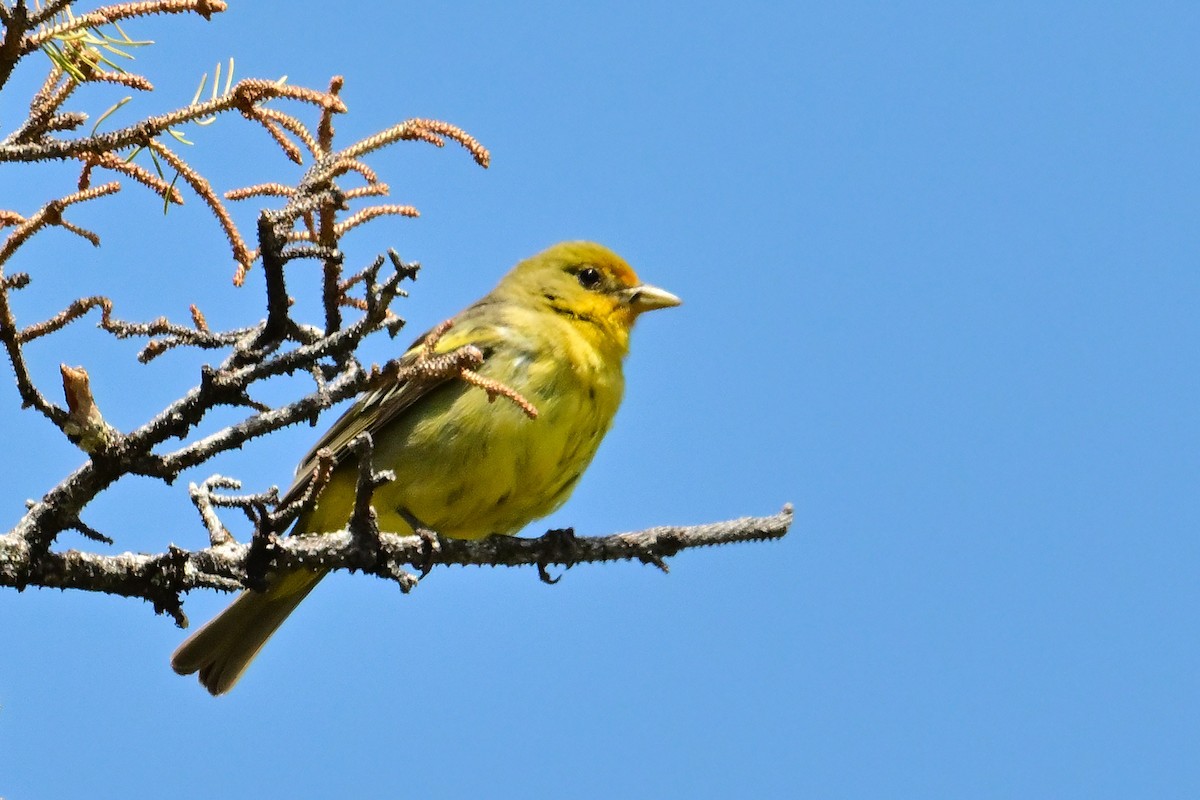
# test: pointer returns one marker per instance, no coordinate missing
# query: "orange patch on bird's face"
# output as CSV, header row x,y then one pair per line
x,y
621,272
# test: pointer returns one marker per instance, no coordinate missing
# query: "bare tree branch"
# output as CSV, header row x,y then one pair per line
x,y
158,578
309,223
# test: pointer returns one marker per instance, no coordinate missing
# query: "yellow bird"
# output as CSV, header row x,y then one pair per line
x,y
556,331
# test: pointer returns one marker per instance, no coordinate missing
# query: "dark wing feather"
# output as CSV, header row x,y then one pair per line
x,y
375,408
371,411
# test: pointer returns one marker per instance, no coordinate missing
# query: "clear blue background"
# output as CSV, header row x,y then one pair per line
x,y
939,264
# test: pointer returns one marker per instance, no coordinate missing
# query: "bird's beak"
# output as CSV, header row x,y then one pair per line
x,y
647,298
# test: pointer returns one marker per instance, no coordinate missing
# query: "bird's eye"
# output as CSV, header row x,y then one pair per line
x,y
589,277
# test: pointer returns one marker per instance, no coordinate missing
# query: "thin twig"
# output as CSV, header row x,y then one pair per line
x,y
201,186
245,94
119,11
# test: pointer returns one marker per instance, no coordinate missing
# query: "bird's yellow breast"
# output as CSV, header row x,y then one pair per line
x,y
466,466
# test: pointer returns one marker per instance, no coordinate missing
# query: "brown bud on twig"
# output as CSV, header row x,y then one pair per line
x,y
85,425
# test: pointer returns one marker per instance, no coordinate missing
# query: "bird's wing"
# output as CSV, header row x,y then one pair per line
x,y
378,406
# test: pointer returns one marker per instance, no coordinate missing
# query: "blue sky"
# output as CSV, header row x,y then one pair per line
x,y
939,271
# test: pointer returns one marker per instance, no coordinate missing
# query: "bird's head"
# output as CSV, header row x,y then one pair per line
x,y
588,283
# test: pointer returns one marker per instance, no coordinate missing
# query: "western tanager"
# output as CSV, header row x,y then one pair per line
x,y
555,330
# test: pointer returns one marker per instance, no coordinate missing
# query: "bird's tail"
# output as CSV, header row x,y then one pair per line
x,y
222,649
